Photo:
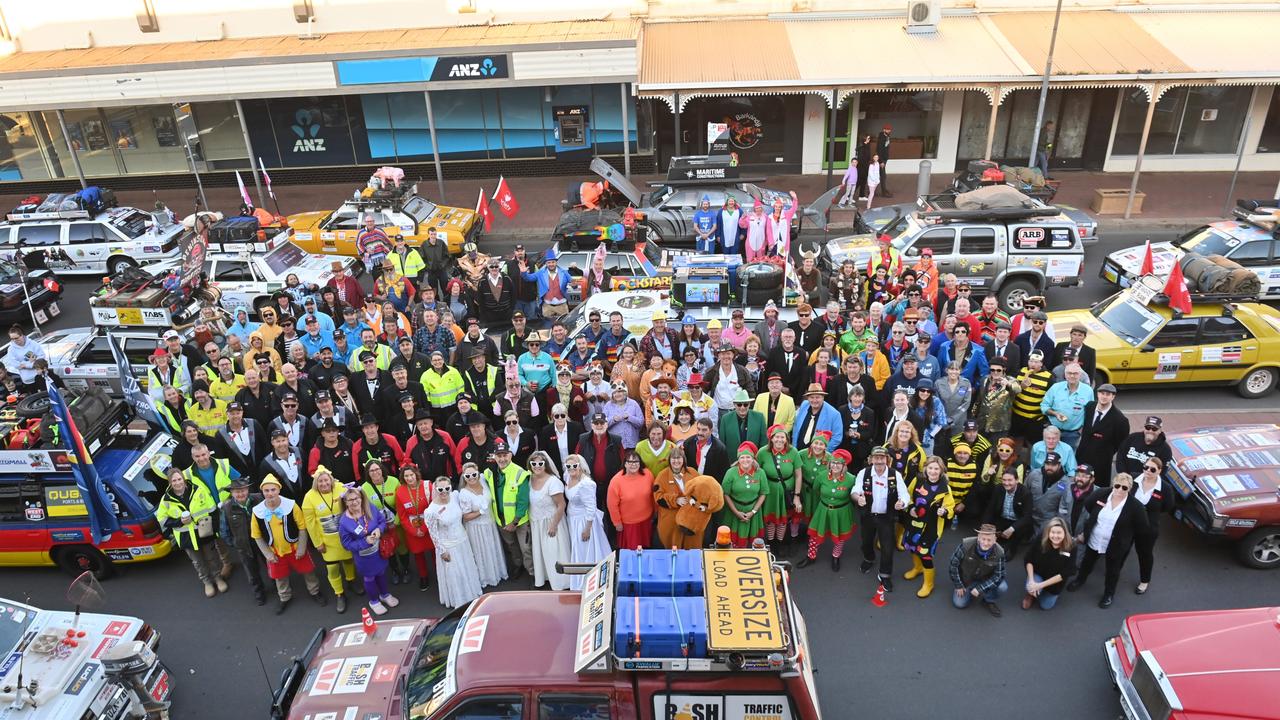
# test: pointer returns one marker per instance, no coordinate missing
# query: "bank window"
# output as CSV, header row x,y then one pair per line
x,y
915,119
39,234
86,233
1187,121
1219,330
1177,333
1252,254
977,241
490,709
573,708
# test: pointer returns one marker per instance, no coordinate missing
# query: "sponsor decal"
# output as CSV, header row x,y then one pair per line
x,y
385,672
117,628
399,633
326,676
1167,365
473,634
118,554
34,514
81,679
105,645
8,663
745,130
355,675
1240,523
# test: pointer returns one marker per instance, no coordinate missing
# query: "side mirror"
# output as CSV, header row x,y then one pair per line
x,y
1147,348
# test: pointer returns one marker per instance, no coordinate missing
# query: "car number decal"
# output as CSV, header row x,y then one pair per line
x,y
1167,366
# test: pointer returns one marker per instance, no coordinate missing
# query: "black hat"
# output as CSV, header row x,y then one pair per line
x,y
405,396
464,396
233,405
598,417
910,359
475,418
1085,468
240,483
421,415
277,432
997,361
323,395
500,446
398,364
970,424
339,333
773,375
478,351
289,396
405,339
1153,422
368,419
1052,457
328,424
367,355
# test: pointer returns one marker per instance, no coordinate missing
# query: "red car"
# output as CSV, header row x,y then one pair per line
x,y
1208,665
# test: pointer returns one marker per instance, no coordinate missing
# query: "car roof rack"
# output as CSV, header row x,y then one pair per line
x,y
22,217
1155,285
1263,214
686,170
368,197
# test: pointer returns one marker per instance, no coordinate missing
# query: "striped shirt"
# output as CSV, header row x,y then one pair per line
x,y
1034,386
961,477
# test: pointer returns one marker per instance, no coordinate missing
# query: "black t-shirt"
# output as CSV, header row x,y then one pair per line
x,y
1046,564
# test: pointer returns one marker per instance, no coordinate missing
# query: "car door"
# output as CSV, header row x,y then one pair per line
x,y
1169,355
234,277
46,238
24,531
95,365
87,244
1227,349
942,240
979,259
1262,256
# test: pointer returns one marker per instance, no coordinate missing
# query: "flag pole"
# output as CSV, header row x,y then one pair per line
x,y
270,191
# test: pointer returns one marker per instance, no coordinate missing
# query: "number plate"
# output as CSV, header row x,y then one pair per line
x,y
41,317
54,310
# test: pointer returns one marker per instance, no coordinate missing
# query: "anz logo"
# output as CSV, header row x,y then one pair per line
x,y
307,129
483,69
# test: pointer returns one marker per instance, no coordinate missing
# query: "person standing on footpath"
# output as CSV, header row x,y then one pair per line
x,y
238,509
883,140
850,183
1104,431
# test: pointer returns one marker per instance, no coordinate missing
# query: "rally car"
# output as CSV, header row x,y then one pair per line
x,y
667,210
1200,664
86,666
638,306
740,651
1248,241
83,358
398,210
38,299
646,267
1140,341
1228,481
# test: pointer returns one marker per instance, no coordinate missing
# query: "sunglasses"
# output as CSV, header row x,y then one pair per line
x,y
571,466
1151,468
1121,487
599,422
536,463
559,415
911,322
802,315
443,490
289,405
471,475
1151,428
913,294
928,390
1037,322
633,462
897,332
513,422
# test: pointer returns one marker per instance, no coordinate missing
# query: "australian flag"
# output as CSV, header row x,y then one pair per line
x,y
102,517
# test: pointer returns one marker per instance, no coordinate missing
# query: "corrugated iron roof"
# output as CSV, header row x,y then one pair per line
x,y
1089,43
1221,42
726,52
388,41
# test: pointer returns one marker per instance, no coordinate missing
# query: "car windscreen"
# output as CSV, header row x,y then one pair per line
x,y
9,273
430,668
1130,321
1208,241
419,208
653,253
16,620
133,224
284,257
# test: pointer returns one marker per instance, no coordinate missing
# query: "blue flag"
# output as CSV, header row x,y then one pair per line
x,y
133,394
102,517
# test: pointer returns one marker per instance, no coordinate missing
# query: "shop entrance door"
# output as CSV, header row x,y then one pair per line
x,y
842,137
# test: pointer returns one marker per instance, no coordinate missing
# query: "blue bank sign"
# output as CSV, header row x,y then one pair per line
x,y
423,69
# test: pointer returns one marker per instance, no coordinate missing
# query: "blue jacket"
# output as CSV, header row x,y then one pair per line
x,y
353,331
975,370
543,278
313,344
326,323
828,419
242,328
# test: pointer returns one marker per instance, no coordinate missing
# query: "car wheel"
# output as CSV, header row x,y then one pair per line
x,y
75,559
1260,549
33,406
1260,382
115,264
1013,292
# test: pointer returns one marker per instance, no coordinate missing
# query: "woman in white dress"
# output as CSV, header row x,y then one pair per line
x,y
482,530
456,573
587,541
548,532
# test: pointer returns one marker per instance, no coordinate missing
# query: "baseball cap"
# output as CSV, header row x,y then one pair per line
x,y
172,335
599,418
1153,422
1052,457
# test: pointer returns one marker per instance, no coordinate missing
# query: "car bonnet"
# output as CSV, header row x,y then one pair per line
x,y
1235,465
355,674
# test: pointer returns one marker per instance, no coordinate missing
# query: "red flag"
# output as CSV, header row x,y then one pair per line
x,y
1148,262
507,202
1176,290
483,210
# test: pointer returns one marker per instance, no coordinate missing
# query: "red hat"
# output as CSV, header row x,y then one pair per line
x,y
775,428
695,379
748,447
843,455
160,352
887,126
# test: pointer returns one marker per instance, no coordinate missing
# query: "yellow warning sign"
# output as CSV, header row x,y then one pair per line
x,y
742,602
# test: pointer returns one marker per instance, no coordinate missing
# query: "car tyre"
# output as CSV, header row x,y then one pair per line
x,y
115,264
33,406
1012,293
75,559
1258,382
1260,549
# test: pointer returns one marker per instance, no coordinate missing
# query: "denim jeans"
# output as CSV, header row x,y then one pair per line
x,y
1046,599
990,596
1071,437
529,308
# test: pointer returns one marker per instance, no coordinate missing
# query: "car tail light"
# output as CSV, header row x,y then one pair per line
x,y
1082,231
52,285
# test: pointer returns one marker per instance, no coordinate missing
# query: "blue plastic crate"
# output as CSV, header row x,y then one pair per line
x,y
660,627
660,573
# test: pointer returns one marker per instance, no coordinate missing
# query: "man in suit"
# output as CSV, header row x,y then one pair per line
x,y
365,385
1087,356
1036,337
1002,345
559,439
286,464
883,140
741,424
244,439
602,451
297,427
790,362
1009,509
704,453
1104,431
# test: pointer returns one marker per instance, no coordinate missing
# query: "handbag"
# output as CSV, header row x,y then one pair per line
x,y
204,526
388,544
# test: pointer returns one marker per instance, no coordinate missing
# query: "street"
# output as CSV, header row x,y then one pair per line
x,y
912,659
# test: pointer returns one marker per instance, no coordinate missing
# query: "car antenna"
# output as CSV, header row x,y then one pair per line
x,y
265,675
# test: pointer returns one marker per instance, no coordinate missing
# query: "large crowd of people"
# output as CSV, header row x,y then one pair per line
x,y
383,433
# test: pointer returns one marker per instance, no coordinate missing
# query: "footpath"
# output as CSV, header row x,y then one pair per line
x,y
1173,201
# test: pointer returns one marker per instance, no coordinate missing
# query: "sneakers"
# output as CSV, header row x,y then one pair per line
x,y
866,566
887,582
422,584
210,590
390,600
992,608
319,600
220,583
340,604
377,607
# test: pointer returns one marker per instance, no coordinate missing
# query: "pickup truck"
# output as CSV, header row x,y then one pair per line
x,y
575,655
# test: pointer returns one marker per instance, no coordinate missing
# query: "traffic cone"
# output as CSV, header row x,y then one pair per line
x,y
371,627
879,600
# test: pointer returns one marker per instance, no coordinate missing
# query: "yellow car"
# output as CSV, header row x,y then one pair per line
x,y
404,213
1220,342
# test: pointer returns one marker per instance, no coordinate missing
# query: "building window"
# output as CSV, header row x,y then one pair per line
x,y
1187,121
90,139
221,139
146,139
1270,140
916,119
22,155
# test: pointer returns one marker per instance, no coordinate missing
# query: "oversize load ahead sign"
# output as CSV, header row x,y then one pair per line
x,y
742,602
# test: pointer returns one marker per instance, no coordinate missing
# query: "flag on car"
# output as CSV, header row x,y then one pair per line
x,y
103,522
133,393
266,179
1148,262
484,211
1176,290
244,192
507,202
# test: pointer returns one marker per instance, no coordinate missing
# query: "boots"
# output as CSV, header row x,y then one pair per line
x,y
926,588
917,567
897,534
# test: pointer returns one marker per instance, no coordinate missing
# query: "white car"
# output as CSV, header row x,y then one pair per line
x,y
77,242
247,273
638,306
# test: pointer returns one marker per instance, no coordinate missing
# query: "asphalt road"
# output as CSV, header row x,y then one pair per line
x,y
908,660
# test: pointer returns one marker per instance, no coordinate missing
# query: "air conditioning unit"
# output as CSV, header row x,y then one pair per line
x,y
923,16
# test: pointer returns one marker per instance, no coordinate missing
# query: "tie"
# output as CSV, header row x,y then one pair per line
x,y
1097,417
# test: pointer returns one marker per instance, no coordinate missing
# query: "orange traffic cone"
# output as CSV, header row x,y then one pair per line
x,y
879,600
371,627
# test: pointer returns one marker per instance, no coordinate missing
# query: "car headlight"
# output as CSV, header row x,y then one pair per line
x,y
1126,643
1218,522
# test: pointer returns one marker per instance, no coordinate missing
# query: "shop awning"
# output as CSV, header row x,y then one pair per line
x,y
493,38
1089,43
1231,44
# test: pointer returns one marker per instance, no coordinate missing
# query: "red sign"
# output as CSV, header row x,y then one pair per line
x,y
105,645
161,689
116,628
326,677
385,673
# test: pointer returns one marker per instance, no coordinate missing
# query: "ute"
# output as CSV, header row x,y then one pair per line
x,y
653,635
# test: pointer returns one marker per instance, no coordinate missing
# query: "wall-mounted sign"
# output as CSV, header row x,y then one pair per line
x,y
423,69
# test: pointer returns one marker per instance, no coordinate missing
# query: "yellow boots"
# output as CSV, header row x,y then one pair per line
x,y
918,569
